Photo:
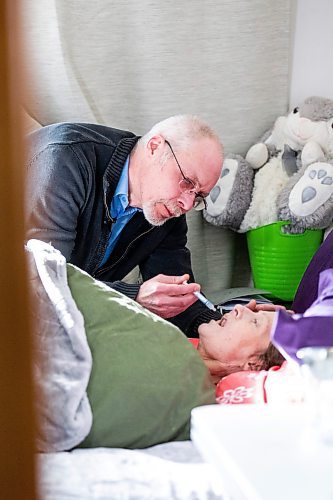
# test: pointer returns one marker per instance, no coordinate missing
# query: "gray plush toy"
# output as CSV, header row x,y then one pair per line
x,y
307,199
231,196
307,128
300,138
282,188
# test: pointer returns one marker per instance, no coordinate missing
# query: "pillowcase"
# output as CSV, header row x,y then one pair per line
x,y
146,376
62,358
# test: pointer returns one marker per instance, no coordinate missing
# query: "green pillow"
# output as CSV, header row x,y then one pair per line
x,y
146,376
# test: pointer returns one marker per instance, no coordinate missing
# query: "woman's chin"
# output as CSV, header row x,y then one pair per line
x,y
204,328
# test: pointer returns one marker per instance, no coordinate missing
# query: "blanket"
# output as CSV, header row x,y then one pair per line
x,y
63,361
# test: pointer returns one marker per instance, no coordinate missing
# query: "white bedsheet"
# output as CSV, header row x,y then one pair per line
x,y
171,471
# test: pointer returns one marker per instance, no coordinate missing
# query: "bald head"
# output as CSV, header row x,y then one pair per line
x,y
182,130
175,164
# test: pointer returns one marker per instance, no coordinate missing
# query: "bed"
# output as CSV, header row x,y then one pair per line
x,y
167,471
97,444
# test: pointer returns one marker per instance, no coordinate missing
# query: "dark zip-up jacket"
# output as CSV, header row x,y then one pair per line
x,y
73,170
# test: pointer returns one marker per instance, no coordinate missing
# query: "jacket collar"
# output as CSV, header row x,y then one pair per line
x,y
116,165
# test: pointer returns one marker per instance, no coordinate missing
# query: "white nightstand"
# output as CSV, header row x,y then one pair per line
x,y
262,453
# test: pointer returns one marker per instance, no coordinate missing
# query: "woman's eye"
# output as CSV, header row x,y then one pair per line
x,y
255,367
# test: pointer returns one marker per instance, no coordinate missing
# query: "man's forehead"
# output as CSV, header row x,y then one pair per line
x,y
202,164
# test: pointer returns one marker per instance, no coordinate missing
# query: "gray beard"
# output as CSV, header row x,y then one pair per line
x,y
148,212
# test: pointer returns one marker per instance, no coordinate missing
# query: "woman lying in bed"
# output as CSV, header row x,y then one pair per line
x,y
116,375
240,340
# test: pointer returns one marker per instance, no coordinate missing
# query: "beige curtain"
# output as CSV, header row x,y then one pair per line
x,y
129,64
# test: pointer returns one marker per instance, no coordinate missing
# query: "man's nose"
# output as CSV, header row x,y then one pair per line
x,y
186,201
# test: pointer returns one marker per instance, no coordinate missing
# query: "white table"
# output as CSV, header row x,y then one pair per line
x,y
264,453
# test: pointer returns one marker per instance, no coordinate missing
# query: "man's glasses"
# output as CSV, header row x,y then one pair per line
x,y
188,186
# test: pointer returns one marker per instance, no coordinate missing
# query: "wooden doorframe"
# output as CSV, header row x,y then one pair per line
x,y
17,468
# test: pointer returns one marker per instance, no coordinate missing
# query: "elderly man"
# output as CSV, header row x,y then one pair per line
x,y
110,200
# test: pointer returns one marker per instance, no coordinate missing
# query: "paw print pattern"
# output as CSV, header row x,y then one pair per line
x,y
215,192
219,195
312,190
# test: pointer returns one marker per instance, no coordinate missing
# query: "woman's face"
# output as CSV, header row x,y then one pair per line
x,y
236,341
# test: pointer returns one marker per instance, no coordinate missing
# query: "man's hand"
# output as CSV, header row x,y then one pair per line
x,y
167,296
265,307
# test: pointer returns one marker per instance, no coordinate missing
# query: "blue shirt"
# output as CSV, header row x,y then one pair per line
x,y
120,211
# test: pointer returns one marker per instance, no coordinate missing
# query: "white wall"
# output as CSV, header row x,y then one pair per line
x,y
312,58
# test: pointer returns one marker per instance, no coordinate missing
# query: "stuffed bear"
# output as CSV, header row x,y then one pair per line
x,y
230,198
307,199
307,128
301,138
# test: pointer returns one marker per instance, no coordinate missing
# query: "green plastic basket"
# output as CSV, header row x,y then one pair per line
x,y
278,260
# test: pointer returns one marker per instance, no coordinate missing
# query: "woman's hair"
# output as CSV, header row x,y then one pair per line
x,y
272,357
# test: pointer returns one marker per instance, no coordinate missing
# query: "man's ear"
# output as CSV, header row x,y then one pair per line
x,y
154,143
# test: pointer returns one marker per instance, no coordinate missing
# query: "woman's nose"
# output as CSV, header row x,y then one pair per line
x,y
239,309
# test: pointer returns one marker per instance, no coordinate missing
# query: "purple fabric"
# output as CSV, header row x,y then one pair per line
x,y
307,291
313,328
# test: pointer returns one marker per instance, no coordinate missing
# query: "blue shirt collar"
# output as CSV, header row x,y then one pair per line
x,y
119,202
